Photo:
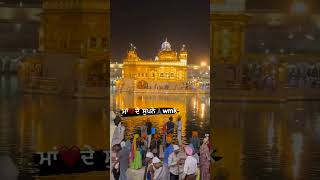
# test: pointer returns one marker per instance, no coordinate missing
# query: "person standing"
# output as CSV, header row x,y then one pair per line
x,y
136,160
190,165
115,165
198,174
164,134
149,132
205,160
170,126
128,144
179,130
195,141
167,153
124,154
159,170
144,147
155,145
209,142
118,133
143,130
173,163
112,126
149,167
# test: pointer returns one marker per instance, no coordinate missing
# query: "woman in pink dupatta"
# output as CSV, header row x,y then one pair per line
x,y
205,160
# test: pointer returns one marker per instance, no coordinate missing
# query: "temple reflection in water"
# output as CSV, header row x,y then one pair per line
x,y
42,123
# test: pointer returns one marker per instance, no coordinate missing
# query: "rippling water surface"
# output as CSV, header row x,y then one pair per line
x,y
267,141
31,123
194,109
258,141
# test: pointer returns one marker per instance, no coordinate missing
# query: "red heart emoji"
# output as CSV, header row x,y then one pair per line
x,y
132,111
70,156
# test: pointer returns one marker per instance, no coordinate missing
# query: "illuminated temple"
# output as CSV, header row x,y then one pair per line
x,y
168,70
73,54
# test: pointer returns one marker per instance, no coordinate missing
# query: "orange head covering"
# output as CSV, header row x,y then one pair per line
x,y
169,138
194,134
144,136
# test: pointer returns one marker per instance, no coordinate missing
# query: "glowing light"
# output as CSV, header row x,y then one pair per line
x,y
203,64
203,107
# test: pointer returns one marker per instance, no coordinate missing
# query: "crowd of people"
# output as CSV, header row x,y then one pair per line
x,y
163,155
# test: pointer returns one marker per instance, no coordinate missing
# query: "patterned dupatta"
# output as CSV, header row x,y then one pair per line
x,y
134,146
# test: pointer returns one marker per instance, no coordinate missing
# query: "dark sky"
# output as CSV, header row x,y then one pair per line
x,y
146,24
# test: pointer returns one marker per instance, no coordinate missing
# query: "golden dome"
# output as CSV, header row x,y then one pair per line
x,y
166,46
166,53
167,56
132,54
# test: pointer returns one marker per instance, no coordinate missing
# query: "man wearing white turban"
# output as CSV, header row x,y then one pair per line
x,y
149,167
159,170
173,163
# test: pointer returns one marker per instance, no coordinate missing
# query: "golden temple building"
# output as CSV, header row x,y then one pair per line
x,y
168,70
73,55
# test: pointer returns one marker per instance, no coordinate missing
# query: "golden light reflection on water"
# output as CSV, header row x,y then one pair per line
x,y
187,105
33,123
54,122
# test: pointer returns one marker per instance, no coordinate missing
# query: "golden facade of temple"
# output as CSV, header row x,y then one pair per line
x,y
168,65
80,27
74,49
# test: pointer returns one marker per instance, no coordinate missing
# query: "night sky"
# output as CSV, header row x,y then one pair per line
x,y
146,24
